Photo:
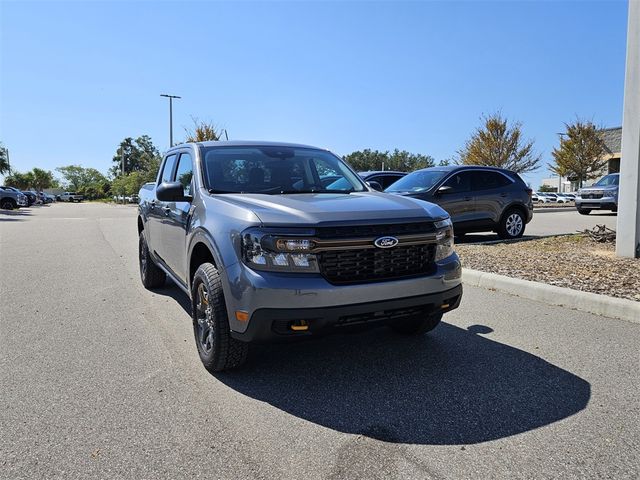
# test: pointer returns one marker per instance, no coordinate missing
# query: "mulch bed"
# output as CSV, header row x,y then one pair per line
x,y
571,261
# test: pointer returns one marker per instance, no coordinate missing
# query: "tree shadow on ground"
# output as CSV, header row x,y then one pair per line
x,y
451,387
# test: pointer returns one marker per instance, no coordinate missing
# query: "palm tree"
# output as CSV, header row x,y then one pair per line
x,y
4,160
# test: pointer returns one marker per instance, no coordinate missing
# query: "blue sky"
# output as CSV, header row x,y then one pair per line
x,y
76,78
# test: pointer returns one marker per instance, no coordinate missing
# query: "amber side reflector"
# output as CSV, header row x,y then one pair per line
x,y
299,326
242,316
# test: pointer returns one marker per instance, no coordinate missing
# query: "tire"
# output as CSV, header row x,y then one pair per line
x,y
584,211
150,274
417,326
512,224
217,349
8,204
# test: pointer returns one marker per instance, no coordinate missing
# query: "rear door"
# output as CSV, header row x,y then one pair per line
x,y
177,217
491,193
385,180
156,213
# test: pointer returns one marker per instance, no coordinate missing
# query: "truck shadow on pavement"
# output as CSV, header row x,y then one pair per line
x,y
449,388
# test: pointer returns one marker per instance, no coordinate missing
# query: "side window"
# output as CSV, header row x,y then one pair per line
x,y
388,180
485,180
460,182
184,172
167,170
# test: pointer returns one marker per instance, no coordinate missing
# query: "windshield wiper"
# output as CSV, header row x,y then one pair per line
x,y
315,191
213,190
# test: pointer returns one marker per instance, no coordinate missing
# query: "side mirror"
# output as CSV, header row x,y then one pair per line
x,y
445,189
375,185
171,192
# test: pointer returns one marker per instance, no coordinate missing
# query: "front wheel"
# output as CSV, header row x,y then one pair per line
x,y
218,350
584,211
418,325
511,225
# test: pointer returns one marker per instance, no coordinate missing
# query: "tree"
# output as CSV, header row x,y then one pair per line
x,y
400,160
21,181
86,181
4,160
581,152
202,132
547,188
128,184
42,179
497,144
140,155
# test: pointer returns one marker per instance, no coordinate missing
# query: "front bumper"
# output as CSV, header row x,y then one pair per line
x,y
273,325
264,295
604,203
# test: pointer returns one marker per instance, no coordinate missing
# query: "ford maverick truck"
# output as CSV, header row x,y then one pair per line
x,y
268,251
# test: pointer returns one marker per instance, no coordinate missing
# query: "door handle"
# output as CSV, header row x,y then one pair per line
x,y
503,194
152,204
467,199
166,210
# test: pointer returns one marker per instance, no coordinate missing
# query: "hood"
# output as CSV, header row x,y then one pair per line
x,y
318,208
594,188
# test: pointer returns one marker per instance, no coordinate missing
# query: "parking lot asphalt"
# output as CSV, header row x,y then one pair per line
x,y
100,378
556,222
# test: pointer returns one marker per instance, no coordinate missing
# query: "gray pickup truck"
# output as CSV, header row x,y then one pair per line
x,y
266,251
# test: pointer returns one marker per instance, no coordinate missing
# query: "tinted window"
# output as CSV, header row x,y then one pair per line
x,y
184,173
167,170
460,182
385,180
486,180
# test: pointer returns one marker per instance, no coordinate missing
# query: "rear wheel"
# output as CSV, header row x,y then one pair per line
x,y
584,211
511,224
218,350
417,326
150,274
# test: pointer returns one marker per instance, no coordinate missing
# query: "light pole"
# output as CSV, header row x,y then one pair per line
x,y
170,97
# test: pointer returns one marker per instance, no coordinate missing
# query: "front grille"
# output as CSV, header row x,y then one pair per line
x,y
342,267
591,195
359,231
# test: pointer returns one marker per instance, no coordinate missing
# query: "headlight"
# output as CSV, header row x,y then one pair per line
x,y
444,237
276,252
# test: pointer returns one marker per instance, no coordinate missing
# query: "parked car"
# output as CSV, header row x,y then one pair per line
x,y
11,198
263,260
538,198
564,198
48,198
477,198
378,180
71,197
602,195
31,197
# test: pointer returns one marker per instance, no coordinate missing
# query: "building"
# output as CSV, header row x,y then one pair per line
x,y
613,145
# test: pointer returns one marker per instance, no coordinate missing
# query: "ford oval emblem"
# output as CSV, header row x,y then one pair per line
x,y
386,242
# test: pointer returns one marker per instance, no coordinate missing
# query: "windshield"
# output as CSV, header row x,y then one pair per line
x,y
607,180
419,181
276,170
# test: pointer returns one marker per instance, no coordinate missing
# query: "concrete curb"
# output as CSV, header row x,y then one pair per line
x,y
552,295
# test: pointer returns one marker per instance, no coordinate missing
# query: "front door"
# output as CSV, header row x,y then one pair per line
x,y
458,201
156,216
177,220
